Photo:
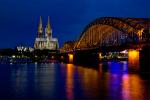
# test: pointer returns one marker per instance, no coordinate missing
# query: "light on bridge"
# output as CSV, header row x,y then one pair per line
x,y
133,58
133,54
140,32
100,56
70,58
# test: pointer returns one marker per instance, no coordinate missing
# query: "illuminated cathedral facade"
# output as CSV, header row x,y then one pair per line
x,y
44,39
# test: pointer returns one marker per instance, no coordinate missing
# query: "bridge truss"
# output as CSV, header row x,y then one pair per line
x,y
110,31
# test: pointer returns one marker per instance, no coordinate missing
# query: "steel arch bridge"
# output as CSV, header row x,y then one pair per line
x,y
112,31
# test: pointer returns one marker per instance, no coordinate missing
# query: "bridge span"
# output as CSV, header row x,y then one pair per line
x,y
110,38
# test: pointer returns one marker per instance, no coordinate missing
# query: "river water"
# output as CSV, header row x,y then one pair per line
x,y
59,81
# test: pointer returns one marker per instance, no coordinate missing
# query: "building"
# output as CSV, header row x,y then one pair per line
x,y
44,39
23,48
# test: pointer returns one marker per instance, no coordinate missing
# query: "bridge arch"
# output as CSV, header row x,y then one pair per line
x,y
111,31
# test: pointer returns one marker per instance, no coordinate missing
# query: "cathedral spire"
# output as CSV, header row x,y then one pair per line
x,y
48,28
40,28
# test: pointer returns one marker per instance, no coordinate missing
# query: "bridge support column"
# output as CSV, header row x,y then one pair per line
x,y
66,57
63,57
88,59
145,60
70,58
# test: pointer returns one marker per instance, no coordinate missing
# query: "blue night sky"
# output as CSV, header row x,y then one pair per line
x,y
19,18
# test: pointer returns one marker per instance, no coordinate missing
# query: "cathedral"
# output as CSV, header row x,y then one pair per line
x,y
44,39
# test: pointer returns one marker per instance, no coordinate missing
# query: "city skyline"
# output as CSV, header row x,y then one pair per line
x,y
19,19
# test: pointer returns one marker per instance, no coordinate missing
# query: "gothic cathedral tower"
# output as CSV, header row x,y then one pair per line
x,y
40,28
48,29
45,41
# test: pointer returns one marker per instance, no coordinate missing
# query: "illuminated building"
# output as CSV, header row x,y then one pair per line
x,y
24,48
44,40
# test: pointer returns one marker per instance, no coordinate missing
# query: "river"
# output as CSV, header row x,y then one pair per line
x,y
59,81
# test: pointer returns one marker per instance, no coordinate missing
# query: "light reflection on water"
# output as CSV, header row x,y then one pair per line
x,y
58,81
69,82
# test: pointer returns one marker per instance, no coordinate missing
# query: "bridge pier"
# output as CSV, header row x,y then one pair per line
x,y
63,57
90,59
145,60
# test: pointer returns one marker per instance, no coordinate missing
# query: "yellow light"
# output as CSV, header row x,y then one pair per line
x,y
100,56
133,54
70,58
140,32
70,82
133,59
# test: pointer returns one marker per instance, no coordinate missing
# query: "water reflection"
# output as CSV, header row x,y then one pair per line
x,y
133,88
89,79
126,87
19,79
70,82
44,79
54,81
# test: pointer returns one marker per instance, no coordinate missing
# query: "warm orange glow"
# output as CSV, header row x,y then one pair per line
x,y
131,86
70,58
133,54
126,87
70,82
133,58
100,56
62,57
89,77
140,32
